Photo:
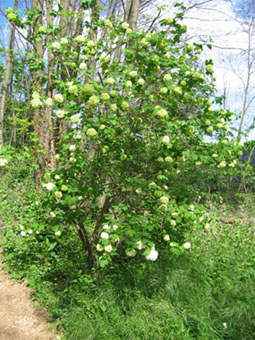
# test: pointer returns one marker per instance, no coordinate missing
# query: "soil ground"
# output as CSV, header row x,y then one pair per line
x,y
19,320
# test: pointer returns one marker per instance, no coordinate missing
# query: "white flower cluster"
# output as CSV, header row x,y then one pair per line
x,y
3,161
23,233
36,101
49,186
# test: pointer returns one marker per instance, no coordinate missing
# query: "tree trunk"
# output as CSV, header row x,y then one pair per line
x,y
7,76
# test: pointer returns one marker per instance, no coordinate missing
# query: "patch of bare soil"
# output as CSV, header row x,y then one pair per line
x,y
18,319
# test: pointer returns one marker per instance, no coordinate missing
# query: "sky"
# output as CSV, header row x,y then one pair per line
x,y
215,20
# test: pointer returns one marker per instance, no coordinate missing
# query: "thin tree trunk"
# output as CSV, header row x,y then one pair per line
x,y
7,76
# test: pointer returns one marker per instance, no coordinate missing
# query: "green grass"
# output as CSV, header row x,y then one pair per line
x,y
208,293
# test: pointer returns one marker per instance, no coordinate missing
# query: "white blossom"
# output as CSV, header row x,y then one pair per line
x,y
99,247
60,113
153,255
49,186
106,227
56,45
74,119
91,132
36,103
173,223
110,81
59,98
72,147
49,102
104,235
80,39
187,245
83,66
108,248
3,161
167,238
58,233
164,200
131,253
64,41
23,233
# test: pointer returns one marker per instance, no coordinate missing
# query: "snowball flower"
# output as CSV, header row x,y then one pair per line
x,y
74,119
64,41
49,186
128,83
64,187
113,107
164,200
222,164
23,233
125,25
165,140
80,39
52,214
36,103
141,81
30,231
167,238
90,44
73,89
167,77
91,132
104,235
99,247
56,45
59,98
186,245
110,81
139,245
133,74
83,66
108,23
163,208
173,223
131,253
72,147
124,105
225,325
105,96
49,102
60,113
108,248
106,227
93,100
153,255
169,159
58,194
58,233
21,227
161,113
3,161
115,227
163,90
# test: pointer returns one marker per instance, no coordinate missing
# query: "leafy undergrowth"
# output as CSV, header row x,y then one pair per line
x,y
206,293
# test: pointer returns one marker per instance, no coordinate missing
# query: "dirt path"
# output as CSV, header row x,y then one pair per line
x,y
18,319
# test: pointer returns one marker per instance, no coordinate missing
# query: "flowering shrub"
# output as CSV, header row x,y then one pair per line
x,y
137,122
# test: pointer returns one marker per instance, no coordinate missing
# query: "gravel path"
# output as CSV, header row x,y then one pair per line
x,y
18,319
